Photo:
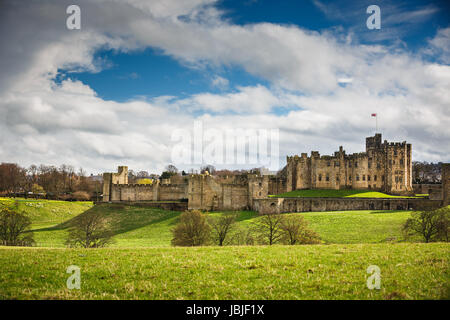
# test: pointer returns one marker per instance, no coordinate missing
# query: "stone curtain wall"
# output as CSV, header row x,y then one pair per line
x,y
285,205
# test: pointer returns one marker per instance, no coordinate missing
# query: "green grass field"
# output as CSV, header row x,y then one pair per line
x,y
408,271
331,193
143,227
141,264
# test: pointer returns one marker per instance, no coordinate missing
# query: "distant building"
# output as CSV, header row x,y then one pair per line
x,y
383,166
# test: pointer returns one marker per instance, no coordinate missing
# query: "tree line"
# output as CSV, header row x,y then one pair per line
x,y
426,172
51,182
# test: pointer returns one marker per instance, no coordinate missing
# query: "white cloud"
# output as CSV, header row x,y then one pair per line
x,y
45,122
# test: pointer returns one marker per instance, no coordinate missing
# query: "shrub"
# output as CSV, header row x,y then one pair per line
x,y
90,230
295,231
191,230
81,196
268,228
432,225
221,227
14,227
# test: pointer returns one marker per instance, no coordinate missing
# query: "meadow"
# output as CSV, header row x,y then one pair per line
x,y
140,226
408,271
141,264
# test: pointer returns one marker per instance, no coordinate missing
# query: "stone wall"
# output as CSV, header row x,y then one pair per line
x,y
285,205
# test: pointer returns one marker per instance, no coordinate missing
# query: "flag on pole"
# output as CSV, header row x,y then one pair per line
x,y
376,121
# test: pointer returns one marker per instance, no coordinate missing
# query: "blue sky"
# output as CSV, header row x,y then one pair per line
x,y
139,74
150,73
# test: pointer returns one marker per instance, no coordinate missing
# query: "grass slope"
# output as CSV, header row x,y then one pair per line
x,y
140,226
331,193
45,214
408,271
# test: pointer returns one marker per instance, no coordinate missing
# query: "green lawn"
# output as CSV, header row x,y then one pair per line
x,y
143,227
140,226
142,264
332,193
408,271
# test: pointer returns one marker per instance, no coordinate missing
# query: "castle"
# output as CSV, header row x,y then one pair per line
x,y
383,166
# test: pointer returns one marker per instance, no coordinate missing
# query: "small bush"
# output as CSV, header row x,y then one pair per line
x,y
295,231
90,230
81,196
14,227
191,230
432,225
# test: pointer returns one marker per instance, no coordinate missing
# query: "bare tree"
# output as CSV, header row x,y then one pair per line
x,y
295,229
242,236
221,226
90,230
15,227
268,228
191,230
432,225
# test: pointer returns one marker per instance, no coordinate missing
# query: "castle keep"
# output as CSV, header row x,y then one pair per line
x,y
383,167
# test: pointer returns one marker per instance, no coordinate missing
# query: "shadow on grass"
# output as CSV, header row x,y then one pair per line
x,y
123,218
388,211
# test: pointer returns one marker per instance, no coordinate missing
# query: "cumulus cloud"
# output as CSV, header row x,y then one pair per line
x,y
67,122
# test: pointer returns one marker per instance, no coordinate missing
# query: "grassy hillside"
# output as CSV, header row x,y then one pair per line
x,y
136,226
49,213
408,271
331,193
140,226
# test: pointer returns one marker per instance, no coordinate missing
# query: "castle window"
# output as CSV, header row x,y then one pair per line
x,y
350,178
396,179
382,178
328,163
368,178
356,164
393,161
375,178
364,177
395,152
401,161
327,178
357,177
337,178
400,179
336,163
260,184
378,166
320,177
349,164
369,164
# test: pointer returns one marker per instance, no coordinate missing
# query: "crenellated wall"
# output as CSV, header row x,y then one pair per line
x,y
286,205
384,167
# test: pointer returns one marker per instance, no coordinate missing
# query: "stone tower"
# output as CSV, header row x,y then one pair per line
x,y
121,177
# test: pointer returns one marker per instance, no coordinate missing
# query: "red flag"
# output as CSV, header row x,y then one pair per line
x,y
374,114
